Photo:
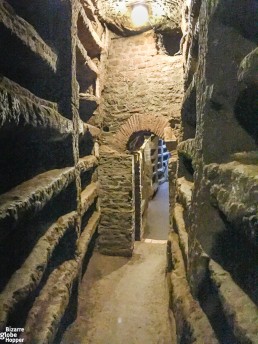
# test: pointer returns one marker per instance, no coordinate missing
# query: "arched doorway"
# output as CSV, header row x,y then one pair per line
x,y
150,185
118,227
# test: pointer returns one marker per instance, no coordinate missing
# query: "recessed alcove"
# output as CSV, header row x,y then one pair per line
x,y
25,153
246,111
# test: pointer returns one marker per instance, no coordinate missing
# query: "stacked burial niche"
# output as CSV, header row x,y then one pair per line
x,y
49,209
214,246
52,104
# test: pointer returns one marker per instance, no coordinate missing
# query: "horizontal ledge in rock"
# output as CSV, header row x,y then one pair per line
x,y
94,131
88,105
187,148
234,190
88,4
85,61
43,321
189,316
88,162
27,278
88,196
27,34
248,70
87,234
19,108
91,13
49,307
88,36
31,196
181,231
189,105
185,188
89,98
239,309
20,91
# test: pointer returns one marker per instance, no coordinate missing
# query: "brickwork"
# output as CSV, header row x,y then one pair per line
x,y
141,81
153,123
116,234
143,92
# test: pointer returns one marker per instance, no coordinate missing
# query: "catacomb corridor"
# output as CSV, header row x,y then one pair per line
x,y
128,171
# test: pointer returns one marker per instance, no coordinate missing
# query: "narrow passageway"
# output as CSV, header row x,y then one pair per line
x,y
158,214
124,300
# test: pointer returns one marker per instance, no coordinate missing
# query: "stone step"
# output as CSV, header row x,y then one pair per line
x,y
27,278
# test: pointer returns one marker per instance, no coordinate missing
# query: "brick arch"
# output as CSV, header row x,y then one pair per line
x,y
156,124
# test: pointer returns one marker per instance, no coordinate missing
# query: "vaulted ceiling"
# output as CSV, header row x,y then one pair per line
x,y
164,15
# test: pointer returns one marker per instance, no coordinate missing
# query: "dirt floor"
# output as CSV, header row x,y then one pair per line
x,y
125,300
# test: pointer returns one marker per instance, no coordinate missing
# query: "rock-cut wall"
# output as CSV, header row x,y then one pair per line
x,y
215,217
49,213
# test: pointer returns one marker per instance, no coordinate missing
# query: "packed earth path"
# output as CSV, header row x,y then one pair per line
x,y
125,300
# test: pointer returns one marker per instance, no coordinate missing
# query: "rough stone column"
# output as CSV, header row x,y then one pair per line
x,y
116,230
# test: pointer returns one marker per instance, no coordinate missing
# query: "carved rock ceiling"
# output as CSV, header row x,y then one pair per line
x,y
164,15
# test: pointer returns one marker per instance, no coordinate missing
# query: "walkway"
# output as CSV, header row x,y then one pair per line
x,y
158,214
125,300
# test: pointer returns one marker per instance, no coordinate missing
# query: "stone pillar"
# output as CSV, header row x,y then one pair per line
x,y
116,230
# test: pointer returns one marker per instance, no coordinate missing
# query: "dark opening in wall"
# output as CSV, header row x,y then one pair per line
x,y
234,252
86,109
211,305
185,168
106,129
88,177
188,113
243,16
27,153
40,14
136,140
88,214
16,247
246,111
171,42
63,252
20,64
86,145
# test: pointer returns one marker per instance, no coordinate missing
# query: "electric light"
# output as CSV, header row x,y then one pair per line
x,y
139,14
